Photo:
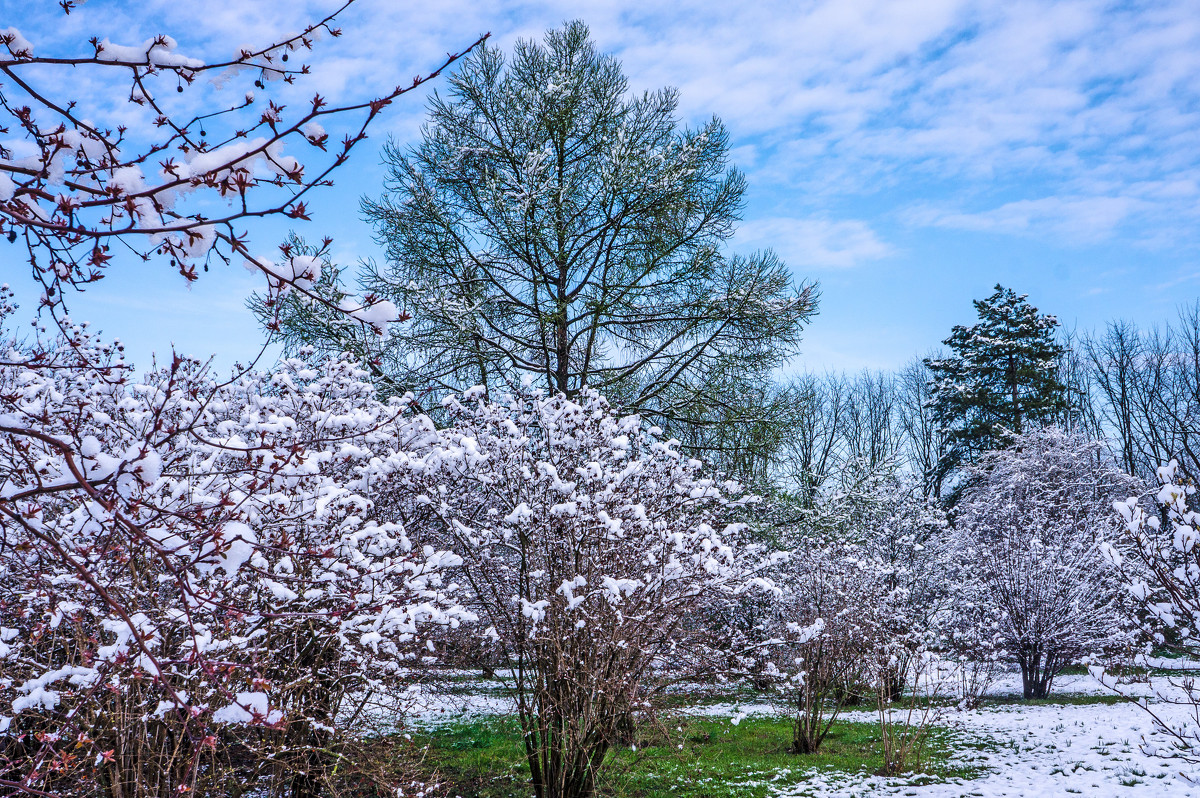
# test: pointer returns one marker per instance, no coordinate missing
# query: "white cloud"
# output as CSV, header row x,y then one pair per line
x,y
1068,220
815,243
1053,121
833,96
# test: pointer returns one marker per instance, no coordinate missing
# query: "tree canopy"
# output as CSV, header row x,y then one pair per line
x,y
551,225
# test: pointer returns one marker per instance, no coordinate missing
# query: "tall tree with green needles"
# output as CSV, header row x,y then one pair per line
x,y
551,225
1001,380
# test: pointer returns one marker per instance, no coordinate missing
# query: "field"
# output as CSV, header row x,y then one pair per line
x,y
1081,741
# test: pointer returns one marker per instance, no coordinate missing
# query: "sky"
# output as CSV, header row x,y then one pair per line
x,y
906,156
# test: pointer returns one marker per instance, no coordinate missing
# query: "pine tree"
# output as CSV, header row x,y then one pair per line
x,y
551,226
1001,381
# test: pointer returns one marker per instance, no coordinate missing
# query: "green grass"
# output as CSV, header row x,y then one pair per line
x,y
483,759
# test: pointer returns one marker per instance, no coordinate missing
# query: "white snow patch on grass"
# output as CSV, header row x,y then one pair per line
x,y
1091,750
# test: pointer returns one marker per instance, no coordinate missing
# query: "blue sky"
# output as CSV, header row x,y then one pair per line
x,y
907,155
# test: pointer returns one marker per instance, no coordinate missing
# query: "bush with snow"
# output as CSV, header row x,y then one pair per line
x,y
1159,561
831,632
591,551
1029,533
869,579
180,555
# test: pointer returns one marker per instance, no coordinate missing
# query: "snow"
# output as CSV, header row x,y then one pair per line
x,y
127,180
313,131
124,633
1049,750
238,153
301,271
241,540
1091,750
282,593
246,708
16,43
427,706
159,52
1165,664
376,315
38,697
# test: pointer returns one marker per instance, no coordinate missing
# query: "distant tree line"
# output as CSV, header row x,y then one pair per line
x,y
1136,390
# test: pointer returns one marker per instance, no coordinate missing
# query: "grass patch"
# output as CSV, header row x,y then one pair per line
x,y
717,759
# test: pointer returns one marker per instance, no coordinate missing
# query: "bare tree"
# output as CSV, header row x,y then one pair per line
x,y
1116,361
870,423
1075,373
1148,386
925,440
814,449
826,611
865,599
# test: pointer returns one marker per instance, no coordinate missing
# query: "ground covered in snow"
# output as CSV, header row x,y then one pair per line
x,y
1075,744
1046,750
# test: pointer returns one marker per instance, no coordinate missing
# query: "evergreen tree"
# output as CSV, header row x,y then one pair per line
x,y
552,226
1001,380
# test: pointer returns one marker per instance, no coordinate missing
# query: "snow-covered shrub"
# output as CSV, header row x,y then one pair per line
x,y
828,625
1028,536
591,552
193,578
971,636
904,534
869,572
1159,561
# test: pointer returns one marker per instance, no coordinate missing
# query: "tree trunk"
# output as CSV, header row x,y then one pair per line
x,y
1037,673
561,767
803,744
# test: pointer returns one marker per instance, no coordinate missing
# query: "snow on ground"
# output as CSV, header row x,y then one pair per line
x,y
430,707
1055,750
1031,751
1023,750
